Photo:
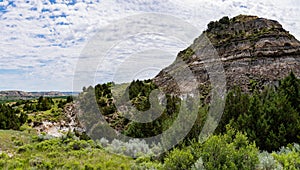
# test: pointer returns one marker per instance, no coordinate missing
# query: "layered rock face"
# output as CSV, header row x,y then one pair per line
x,y
247,50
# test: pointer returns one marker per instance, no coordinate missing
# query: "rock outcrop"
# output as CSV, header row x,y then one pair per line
x,y
57,129
251,50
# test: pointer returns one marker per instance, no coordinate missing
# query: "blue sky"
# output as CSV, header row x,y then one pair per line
x,y
42,40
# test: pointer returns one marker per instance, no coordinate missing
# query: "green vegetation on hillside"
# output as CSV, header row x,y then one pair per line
x,y
271,118
14,114
67,152
258,130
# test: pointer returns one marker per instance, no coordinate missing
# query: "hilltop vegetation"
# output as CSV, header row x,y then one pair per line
x,y
269,117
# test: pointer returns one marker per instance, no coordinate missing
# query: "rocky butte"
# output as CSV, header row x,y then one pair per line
x,y
247,50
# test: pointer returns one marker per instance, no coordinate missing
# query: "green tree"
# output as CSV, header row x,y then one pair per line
x,y
225,20
11,118
237,103
44,103
270,118
290,87
69,99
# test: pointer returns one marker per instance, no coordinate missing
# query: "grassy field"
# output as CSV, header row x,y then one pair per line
x,y
23,150
11,140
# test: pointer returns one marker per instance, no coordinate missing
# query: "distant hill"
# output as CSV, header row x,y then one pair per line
x,y
23,94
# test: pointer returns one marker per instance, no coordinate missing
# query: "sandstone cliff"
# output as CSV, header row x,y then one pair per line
x,y
251,50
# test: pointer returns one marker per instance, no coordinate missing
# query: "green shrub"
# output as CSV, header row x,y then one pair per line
x,y
88,167
78,144
72,165
146,163
48,145
2,163
229,151
289,157
15,164
18,142
3,156
179,159
24,148
186,54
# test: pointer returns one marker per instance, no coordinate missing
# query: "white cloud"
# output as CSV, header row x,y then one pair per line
x,y
38,31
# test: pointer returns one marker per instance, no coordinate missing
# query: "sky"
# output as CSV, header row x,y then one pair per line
x,y
62,45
